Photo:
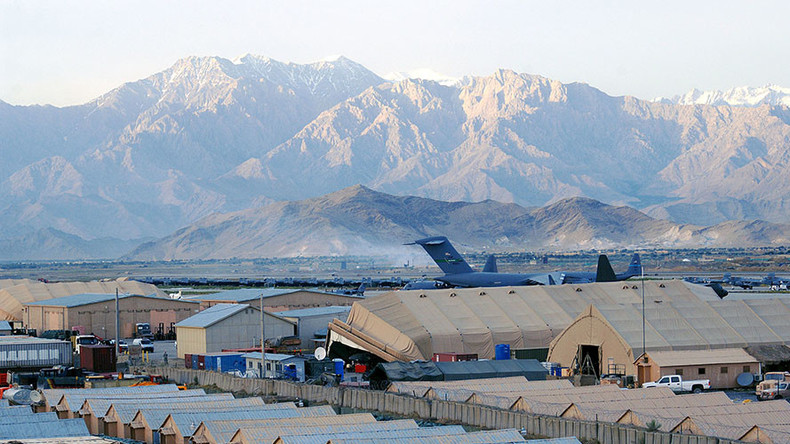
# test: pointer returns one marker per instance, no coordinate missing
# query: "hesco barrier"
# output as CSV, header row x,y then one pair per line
x,y
437,410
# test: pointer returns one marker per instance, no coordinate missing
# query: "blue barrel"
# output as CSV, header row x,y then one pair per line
x,y
502,352
339,367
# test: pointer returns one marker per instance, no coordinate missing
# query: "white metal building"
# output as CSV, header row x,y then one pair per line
x,y
228,326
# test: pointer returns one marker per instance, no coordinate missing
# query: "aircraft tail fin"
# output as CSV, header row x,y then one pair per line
x,y
635,267
490,266
552,281
605,273
362,287
444,254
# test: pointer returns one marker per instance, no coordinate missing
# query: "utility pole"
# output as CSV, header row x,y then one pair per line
x,y
644,348
263,343
117,323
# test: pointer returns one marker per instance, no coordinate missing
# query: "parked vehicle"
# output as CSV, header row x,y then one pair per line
x,y
677,384
144,343
85,340
770,380
778,390
143,330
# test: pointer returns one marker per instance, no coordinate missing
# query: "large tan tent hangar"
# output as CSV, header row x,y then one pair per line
x,y
415,324
615,330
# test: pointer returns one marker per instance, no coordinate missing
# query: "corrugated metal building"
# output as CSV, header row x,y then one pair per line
x,y
269,434
95,313
53,397
389,436
147,423
276,299
13,298
720,366
184,425
276,364
32,430
228,326
24,352
220,431
490,437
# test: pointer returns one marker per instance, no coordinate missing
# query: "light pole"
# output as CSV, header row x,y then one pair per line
x,y
263,343
117,324
644,349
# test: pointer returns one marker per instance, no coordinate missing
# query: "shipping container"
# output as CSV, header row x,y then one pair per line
x,y
454,357
194,362
224,362
24,352
541,354
201,361
98,358
188,360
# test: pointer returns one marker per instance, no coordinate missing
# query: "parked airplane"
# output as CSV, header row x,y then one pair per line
x,y
360,291
604,272
458,273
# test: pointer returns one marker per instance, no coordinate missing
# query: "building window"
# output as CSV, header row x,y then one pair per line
x,y
679,371
701,371
725,370
746,369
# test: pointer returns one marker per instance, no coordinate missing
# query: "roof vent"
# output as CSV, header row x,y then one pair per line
x,y
511,292
578,288
482,293
662,286
422,295
625,287
452,295
634,287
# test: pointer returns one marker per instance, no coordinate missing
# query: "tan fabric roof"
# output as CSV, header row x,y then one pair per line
x,y
701,357
418,323
14,297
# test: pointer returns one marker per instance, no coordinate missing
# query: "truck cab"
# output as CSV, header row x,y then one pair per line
x,y
85,340
769,382
143,330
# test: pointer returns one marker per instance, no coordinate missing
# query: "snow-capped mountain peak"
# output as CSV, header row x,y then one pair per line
x,y
741,96
425,74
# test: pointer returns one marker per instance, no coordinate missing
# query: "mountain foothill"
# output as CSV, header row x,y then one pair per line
x,y
217,158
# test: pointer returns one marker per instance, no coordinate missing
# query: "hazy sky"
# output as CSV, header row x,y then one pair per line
x,y
68,52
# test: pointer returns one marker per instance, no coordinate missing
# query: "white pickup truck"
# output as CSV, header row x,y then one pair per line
x,y
677,384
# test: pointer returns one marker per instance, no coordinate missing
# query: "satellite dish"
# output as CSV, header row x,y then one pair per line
x,y
745,379
320,353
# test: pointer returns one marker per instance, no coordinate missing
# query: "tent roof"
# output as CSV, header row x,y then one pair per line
x,y
14,297
415,324
406,371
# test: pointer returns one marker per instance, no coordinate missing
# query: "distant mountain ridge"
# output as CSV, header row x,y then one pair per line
x,y
771,95
215,135
360,221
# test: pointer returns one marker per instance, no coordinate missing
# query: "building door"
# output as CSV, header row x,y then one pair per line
x,y
643,372
589,358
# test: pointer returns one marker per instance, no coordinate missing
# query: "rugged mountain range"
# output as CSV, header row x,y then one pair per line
x,y
360,221
742,96
214,135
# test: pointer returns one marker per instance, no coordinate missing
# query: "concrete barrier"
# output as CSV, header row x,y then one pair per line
x,y
449,412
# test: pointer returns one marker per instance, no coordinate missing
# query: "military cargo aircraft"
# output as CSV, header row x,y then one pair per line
x,y
458,273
